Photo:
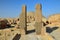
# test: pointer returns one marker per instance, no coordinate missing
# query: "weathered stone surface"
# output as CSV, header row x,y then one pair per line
x,y
38,19
30,17
23,19
30,26
38,14
8,34
15,30
2,35
37,27
11,33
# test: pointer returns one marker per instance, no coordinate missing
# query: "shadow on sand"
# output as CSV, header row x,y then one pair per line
x,y
17,37
30,31
49,30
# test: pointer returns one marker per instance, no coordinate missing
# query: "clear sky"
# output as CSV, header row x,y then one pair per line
x,y
12,8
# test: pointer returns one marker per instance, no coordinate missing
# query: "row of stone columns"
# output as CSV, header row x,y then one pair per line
x,y
38,19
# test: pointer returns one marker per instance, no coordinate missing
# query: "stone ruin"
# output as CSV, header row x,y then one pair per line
x,y
21,24
38,19
23,20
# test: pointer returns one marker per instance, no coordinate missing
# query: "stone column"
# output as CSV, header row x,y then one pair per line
x,y
38,19
23,20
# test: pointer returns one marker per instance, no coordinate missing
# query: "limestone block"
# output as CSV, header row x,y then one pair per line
x,y
2,35
15,30
38,26
22,31
28,19
43,30
8,34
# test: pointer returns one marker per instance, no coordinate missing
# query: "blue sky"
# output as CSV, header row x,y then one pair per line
x,y
12,8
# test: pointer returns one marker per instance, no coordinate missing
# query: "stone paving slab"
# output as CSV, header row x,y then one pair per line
x,y
56,34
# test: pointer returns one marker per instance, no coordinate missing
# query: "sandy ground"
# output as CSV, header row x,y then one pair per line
x,y
56,34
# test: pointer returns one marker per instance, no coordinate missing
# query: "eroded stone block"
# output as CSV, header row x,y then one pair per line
x,y
2,35
8,34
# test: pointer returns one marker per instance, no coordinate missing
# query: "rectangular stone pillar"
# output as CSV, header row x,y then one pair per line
x,y
23,20
38,19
